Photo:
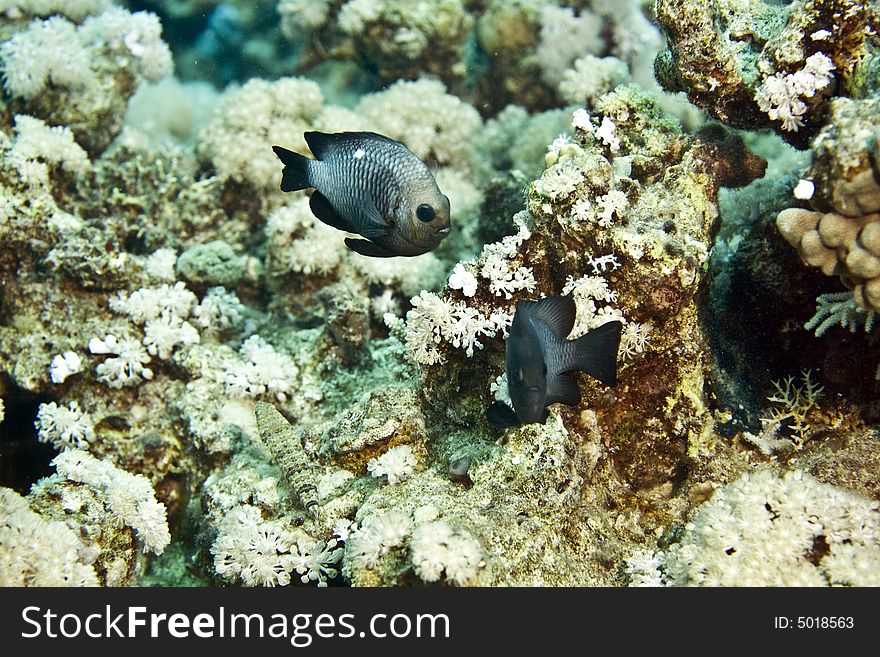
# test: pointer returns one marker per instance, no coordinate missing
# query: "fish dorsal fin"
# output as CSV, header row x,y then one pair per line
x,y
322,209
594,353
501,416
557,312
563,390
322,142
366,248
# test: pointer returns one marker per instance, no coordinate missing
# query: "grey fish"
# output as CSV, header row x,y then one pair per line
x,y
539,355
373,186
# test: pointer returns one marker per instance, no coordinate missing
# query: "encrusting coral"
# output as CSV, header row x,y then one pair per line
x,y
759,64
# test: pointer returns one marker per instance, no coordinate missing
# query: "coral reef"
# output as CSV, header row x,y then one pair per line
x,y
200,384
758,64
845,239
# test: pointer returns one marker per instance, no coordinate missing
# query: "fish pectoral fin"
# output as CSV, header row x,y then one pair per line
x,y
501,416
322,209
558,312
563,390
366,248
370,217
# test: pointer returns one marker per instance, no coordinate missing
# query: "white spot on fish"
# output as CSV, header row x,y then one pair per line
x,y
359,153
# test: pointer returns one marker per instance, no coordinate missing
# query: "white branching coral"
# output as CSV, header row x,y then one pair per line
x,y
159,265
434,319
355,14
409,275
297,15
607,133
781,97
376,537
462,279
437,126
127,363
437,549
253,550
48,51
260,552
73,9
564,36
500,389
38,147
130,497
136,36
505,280
426,324
219,311
299,243
64,365
588,292
261,371
643,568
580,120
634,339
163,311
163,334
612,203
250,119
602,263
316,561
590,77
149,303
559,181
64,427
767,530
37,552
319,251
398,463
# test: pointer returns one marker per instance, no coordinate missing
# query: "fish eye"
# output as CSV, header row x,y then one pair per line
x,y
425,212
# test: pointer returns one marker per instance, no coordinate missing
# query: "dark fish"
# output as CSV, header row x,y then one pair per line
x,y
371,185
538,357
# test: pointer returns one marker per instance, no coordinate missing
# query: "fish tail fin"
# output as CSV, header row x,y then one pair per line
x,y
295,175
596,352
